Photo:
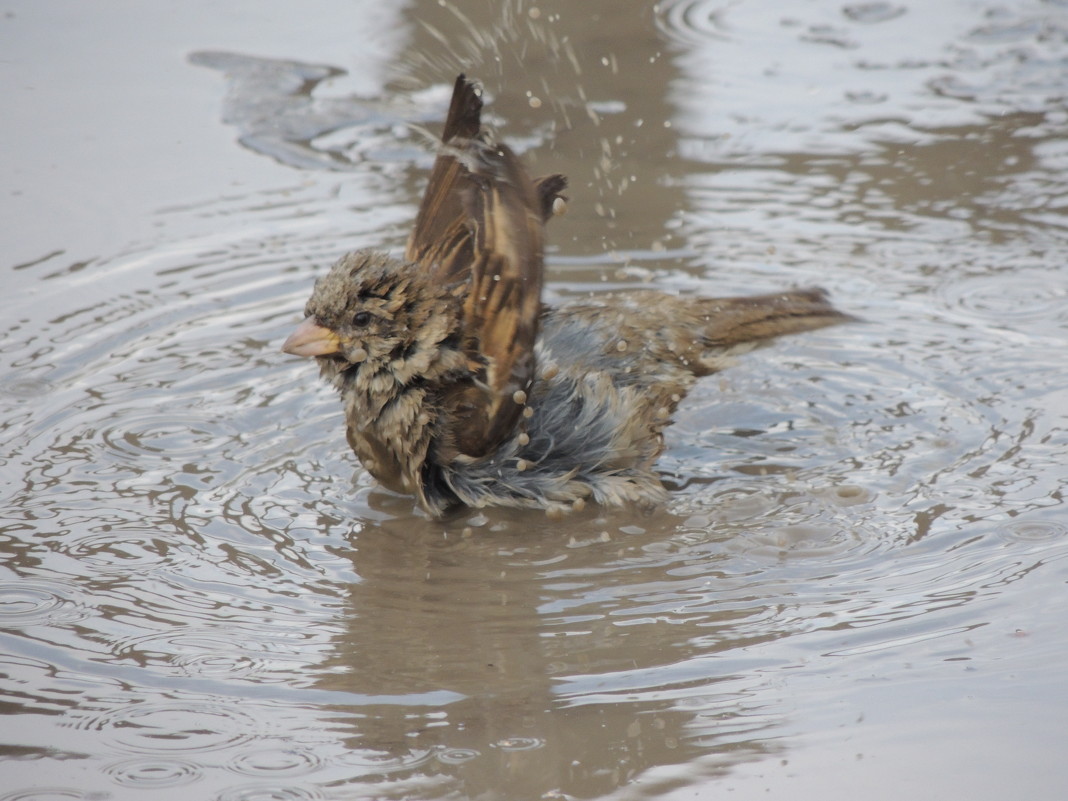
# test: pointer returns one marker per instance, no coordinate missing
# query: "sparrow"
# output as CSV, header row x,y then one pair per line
x,y
461,388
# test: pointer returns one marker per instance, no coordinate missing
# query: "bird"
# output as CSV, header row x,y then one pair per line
x,y
461,388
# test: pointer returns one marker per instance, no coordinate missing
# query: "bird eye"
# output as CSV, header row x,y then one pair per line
x,y
360,319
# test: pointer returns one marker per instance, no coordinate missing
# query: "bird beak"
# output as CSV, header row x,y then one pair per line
x,y
311,339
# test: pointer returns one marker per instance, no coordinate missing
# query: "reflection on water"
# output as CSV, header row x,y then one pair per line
x,y
202,594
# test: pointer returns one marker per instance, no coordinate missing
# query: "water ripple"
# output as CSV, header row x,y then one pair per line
x,y
692,21
519,743
171,727
273,762
386,763
25,388
116,548
213,653
48,794
457,756
152,773
33,603
179,437
1009,298
1036,531
872,13
1006,31
269,792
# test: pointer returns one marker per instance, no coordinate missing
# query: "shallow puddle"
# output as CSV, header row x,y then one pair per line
x,y
857,583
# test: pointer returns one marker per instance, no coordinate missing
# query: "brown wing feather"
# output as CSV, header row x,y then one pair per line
x,y
482,221
440,226
504,300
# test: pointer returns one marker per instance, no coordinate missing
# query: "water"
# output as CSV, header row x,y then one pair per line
x,y
858,582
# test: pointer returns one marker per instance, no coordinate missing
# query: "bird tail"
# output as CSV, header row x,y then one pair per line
x,y
738,321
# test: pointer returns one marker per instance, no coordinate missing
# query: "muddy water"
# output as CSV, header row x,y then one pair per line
x,y
858,584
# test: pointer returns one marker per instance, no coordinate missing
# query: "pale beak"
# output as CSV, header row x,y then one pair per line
x,y
311,339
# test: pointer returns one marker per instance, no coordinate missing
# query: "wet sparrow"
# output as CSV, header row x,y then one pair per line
x,y
462,389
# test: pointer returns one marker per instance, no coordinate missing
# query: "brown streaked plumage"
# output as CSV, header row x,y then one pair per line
x,y
461,389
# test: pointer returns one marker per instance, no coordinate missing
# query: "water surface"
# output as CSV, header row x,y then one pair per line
x,y
857,583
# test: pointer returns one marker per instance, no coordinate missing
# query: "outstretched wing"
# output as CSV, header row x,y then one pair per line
x,y
504,300
482,222
441,238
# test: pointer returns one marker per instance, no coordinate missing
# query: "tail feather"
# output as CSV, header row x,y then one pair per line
x,y
736,321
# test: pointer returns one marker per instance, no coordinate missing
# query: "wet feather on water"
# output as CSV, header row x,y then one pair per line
x,y
460,388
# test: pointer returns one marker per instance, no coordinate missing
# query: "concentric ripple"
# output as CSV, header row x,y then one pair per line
x,y
118,548
48,794
172,728
154,773
457,756
32,603
269,792
1013,298
246,650
177,437
25,387
520,743
1036,531
874,12
692,20
274,762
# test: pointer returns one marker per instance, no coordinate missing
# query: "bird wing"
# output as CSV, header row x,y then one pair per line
x,y
481,222
441,239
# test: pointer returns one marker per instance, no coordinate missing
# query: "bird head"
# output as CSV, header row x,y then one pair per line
x,y
378,312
